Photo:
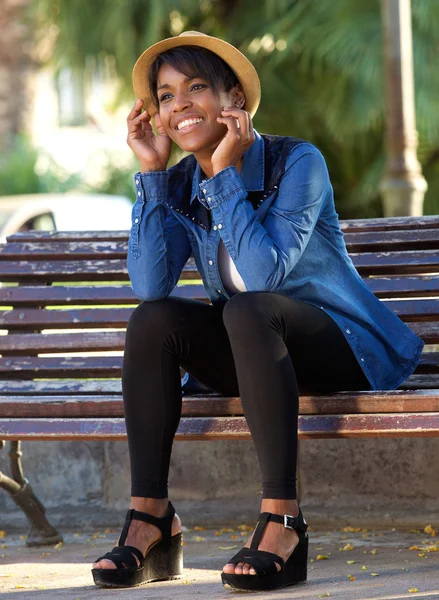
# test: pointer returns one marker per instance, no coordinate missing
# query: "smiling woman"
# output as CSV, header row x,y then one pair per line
x,y
288,309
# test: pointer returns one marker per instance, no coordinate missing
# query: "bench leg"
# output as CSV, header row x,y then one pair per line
x,y
41,532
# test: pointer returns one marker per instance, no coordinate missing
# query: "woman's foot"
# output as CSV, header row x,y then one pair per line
x,y
276,538
144,535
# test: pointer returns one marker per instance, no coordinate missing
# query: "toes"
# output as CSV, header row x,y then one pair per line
x,y
239,569
229,568
104,564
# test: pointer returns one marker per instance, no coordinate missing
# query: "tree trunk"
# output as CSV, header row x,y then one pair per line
x,y
16,68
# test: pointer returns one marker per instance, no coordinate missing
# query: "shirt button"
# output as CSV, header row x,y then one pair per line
x,y
215,227
210,262
204,191
219,291
348,331
136,220
220,226
139,193
362,359
209,199
137,181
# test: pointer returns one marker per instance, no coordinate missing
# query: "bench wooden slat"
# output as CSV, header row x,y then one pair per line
x,y
390,223
310,426
61,250
94,295
75,387
27,344
350,225
385,241
359,241
28,318
110,366
382,287
369,263
398,401
403,287
64,387
71,270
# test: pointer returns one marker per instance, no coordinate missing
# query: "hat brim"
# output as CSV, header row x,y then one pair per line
x,y
240,65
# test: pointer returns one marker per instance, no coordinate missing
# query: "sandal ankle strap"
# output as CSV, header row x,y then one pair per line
x,y
164,524
298,523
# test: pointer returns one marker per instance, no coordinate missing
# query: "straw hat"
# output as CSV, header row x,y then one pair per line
x,y
240,65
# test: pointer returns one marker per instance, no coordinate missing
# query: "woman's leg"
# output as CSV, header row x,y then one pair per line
x,y
280,343
161,336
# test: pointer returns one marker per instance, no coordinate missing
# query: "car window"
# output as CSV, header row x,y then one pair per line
x,y
43,222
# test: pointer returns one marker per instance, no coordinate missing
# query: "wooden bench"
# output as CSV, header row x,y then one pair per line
x,y
66,300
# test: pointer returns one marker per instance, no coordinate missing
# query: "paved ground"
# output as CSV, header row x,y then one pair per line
x,y
344,565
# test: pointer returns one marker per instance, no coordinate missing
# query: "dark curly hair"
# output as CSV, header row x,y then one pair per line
x,y
194,61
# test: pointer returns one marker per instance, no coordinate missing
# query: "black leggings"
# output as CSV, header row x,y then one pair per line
x,y
264,347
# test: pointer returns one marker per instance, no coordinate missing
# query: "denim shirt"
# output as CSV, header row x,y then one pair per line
x,y
283,237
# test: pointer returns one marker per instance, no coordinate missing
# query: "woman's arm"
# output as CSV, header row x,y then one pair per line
x,y
265,254
158,246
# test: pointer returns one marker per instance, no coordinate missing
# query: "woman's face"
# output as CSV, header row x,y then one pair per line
x,y
189,108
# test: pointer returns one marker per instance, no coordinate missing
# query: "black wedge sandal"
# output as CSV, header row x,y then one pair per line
x,y
264,563
164,559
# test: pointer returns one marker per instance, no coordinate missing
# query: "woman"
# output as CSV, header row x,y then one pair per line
x,y
289,311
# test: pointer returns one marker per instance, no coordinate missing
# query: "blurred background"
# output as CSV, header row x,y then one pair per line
x,y
65,87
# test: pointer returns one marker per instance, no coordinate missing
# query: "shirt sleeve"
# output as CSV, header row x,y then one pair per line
x,y
158,246
264,254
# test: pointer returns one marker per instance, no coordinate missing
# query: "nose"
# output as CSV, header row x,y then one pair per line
x,y
181,102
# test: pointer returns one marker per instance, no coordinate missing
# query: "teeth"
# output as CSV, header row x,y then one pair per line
x,y
187,123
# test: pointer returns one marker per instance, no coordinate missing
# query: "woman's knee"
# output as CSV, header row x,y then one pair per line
x,y
150,318
244,310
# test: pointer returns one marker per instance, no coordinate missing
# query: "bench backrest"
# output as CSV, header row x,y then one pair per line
x,y
66,299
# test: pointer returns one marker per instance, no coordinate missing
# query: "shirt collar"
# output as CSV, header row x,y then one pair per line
x,y
252,172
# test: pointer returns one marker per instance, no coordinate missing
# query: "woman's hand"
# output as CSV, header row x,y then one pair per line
x,y
238,139
152,150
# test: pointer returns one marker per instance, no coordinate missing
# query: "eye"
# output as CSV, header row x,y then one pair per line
x,y
164,97
198,86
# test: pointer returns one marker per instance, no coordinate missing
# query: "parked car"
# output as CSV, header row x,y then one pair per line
x,y
63,212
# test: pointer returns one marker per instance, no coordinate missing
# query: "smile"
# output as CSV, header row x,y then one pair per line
x,y
187,123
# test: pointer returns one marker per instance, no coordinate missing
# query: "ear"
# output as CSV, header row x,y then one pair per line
x,y
238,97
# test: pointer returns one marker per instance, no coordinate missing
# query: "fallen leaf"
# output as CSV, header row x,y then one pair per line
x,y
2,533
196,528
321,557
373,551
414,548
197,538
364,568
227,547
413,590
347,547
327,595
429,529
351,577
374,574
351,529
351,562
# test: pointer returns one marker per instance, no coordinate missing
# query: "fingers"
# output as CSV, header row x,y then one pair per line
x,y
239,120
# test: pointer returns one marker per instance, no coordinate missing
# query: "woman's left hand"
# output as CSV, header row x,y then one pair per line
x,y
238,139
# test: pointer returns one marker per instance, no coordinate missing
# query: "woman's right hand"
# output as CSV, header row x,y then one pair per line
x,y
153,151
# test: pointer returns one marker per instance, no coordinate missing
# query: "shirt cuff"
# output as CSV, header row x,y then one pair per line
x,y
220,187
151,186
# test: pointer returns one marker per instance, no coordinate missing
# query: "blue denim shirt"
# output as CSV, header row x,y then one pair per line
x,y
288,242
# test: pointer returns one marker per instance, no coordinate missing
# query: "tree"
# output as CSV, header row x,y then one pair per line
x,y
16,68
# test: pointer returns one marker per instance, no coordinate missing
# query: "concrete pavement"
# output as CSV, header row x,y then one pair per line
x,y
344,565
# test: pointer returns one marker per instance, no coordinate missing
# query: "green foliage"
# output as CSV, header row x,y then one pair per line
x,y
26,170
19,173
320,65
